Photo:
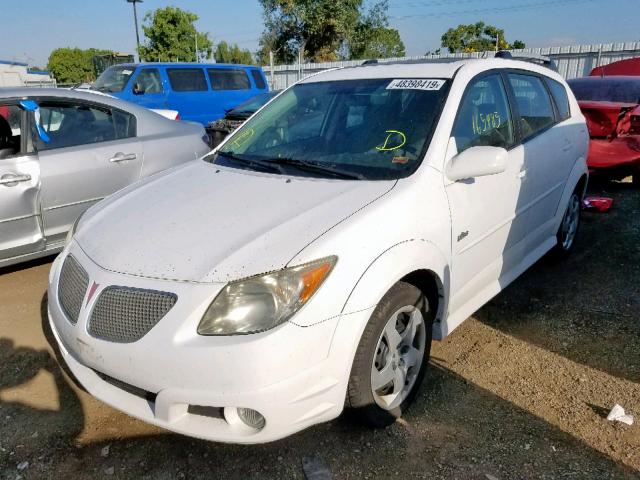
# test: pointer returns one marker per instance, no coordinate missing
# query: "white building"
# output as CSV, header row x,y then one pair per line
x,y
16,74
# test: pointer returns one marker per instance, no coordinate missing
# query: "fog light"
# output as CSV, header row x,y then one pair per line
x,y
251,418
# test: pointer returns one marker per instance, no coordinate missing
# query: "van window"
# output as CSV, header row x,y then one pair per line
x,y
258,79
560,96
148,81
484,118
534,104
228,79
187,79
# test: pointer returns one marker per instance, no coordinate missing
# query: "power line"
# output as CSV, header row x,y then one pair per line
x,y
478,11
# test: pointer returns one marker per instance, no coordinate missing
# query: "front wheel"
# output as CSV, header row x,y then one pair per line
x,y
392,356
568,227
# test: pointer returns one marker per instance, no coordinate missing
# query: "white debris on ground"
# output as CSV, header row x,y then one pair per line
x,y
618,414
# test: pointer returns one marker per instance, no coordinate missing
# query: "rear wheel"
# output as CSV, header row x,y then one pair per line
x,y
568,229
392,356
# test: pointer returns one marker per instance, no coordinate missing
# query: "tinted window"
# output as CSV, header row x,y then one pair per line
x,y
560,96
228,79
148,81
187,79
9,130
69,125
608,89
484,118
534,104
258,79
370,128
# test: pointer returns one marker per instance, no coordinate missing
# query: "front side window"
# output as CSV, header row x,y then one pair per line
x,y
113,79
70,125
368,129
484,118
10,130
228,79
187,79
534,104
148,81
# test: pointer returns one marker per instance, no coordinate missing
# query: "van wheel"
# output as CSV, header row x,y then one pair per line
x,y
392,356
568,229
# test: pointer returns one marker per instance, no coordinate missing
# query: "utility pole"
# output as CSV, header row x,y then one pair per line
x,y
196,45
271,67
497,41
135,21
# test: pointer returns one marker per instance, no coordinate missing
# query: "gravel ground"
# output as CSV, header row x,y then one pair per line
x,y
519,391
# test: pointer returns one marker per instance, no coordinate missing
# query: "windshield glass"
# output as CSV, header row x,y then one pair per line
x,y
606,89
113,79
253,104
371,129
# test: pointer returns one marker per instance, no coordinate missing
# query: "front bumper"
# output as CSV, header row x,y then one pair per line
x,y
191,384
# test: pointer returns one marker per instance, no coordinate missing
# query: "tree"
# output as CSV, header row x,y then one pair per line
x,y
226,53
476,37
171,35
325,30
73,65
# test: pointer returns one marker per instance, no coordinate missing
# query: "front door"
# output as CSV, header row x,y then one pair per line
x,y
20,229
92,152
487,214
148,90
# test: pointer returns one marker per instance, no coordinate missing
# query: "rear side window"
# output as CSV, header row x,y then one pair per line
x,y
187,79
258,79
534,104
484,118
228,79
561,98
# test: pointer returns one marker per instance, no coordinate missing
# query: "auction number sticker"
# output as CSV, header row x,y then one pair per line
x,y
415,84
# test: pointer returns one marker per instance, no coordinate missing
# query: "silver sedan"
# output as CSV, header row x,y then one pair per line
x,y
61,151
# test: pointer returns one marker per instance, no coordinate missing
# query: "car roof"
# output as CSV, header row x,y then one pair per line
x,y
425,68
184,65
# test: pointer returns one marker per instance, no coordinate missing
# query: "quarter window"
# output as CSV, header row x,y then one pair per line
x,y
187,79
228,79
534,104
484,118
258,79
559,94
148,81
70,125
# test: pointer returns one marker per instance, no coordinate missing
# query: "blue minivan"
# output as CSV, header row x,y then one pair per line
x,y
199,92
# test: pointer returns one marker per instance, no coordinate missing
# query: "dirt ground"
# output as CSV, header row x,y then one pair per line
x,y
519,391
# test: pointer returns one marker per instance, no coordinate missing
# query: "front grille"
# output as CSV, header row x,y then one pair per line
x,y
125,315
72,287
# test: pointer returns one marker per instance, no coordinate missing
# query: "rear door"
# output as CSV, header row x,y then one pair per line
x,y
93,151
20,226
230,86
147,88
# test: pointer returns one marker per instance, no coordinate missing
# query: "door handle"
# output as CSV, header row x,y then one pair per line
x,y
521,174
13,179
123,157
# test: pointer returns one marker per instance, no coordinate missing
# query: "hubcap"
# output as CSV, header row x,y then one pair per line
x,y
570,222
398,357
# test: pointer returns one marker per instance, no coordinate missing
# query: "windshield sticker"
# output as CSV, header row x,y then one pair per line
x,y
127,72
415,84
401,160
243,137
395,139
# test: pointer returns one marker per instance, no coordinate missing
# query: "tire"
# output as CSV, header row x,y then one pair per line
x,y
403,307
568,230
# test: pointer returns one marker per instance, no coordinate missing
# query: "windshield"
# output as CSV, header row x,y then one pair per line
x,y
113,79
371,129
253,104
606,89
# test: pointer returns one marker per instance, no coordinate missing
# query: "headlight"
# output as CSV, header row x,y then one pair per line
x,y
256,304
72,232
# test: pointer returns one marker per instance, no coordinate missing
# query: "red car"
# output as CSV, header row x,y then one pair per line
x,y
611,106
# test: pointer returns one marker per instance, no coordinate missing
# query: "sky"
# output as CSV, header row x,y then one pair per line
x,y
30,29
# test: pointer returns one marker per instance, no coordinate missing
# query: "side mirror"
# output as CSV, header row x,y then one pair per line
x,y
477,162
137,89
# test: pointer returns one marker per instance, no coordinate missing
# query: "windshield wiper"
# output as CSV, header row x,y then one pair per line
x,y
317,167
251,162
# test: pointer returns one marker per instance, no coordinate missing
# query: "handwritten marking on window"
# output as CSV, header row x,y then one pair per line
x,y
482,123
243,137
395,139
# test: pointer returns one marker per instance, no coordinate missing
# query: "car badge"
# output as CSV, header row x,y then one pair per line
x,y
92,290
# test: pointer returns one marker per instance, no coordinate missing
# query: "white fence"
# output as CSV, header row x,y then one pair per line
x,y
572,61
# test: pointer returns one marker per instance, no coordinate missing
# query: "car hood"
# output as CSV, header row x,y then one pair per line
x,y
205,223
